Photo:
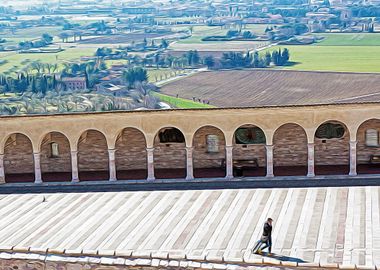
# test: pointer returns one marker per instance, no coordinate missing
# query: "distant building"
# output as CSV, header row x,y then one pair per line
x,y
75,83
115,90
139,10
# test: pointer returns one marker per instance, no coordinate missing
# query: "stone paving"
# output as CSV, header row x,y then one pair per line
x,y
322,225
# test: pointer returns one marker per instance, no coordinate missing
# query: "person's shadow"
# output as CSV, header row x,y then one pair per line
x,y
282,257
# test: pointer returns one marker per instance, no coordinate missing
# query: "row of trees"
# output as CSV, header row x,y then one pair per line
x,y
37,84
45,40
248,60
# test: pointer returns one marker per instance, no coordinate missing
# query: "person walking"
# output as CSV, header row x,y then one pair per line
x,y
266,239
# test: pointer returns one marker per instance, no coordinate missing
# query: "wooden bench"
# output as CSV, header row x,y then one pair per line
x,y
240,164
374,159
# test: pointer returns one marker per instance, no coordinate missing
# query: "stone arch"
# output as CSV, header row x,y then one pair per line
x,y
368,146
131,156
93,161
18,158
209,161
151,137
332,155
290,153
169,153
249,144
55,157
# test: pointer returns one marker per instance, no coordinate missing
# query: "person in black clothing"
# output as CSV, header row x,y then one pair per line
x,y
266,238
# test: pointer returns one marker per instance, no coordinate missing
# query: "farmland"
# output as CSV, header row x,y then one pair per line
x,y
195,41
258,87
16,61
338,52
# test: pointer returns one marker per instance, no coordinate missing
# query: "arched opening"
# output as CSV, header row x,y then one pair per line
x,y
209,153
169,154
290,150
131,157
332,149
93,156
18,159
249,153
55,158
368,147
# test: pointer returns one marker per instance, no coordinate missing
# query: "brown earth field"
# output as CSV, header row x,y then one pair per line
x,y
122,38
216,54
255,88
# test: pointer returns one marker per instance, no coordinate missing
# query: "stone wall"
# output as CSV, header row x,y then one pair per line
x,y
248,151
332,151
364,152
93,152
202,158
131,150
290,149
18,156
169,155
290,146
62,163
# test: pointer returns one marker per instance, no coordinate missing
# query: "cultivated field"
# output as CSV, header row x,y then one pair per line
x,y
122,39
195,41
338,52
335,58
348,39
252,88
16,61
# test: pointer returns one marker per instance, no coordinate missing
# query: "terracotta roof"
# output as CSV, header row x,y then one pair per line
x,y
261,88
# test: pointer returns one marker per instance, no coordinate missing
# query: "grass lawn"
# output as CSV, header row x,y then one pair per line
x,y
181,103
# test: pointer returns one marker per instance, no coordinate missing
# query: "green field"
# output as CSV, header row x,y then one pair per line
x,y
33,32
181,103
15,60
202,31
335,58
338,52
346,39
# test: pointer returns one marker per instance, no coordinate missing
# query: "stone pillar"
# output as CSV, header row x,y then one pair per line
x,y
229,162
310,160
37,168
189,163
112,164
2,170
74,166
353,158
150,157
269,160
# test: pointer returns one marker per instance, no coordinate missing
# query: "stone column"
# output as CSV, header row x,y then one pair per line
x,y
37,168
74,166
310,160
353,158
229,162
2,171
269,160
150,159
189,163
112,164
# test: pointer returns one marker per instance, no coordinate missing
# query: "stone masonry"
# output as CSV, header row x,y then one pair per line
x,y
18,155
62,163
289,146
